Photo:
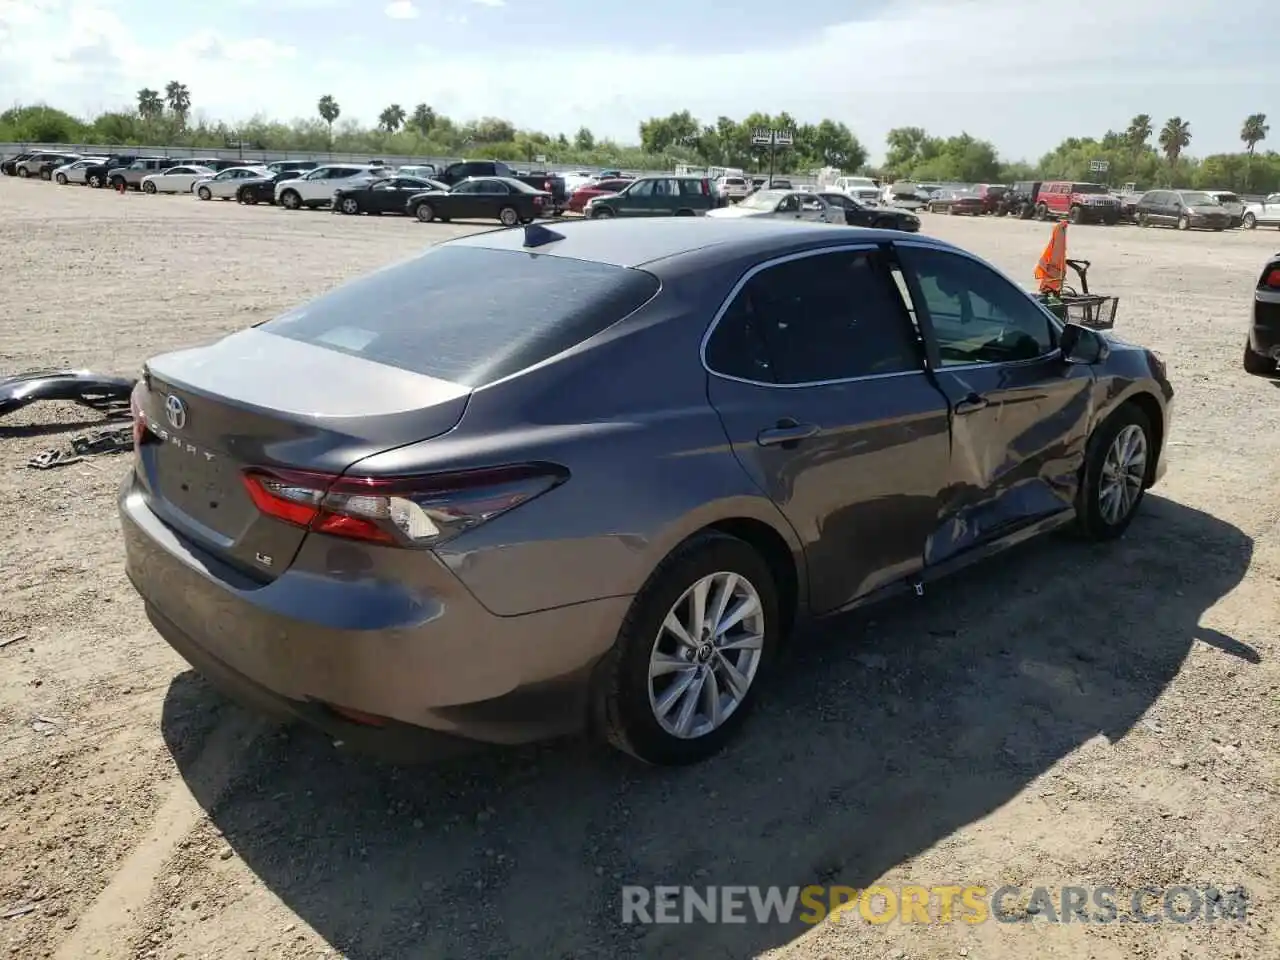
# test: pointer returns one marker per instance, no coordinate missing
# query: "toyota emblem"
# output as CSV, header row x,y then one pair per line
x,y
175,412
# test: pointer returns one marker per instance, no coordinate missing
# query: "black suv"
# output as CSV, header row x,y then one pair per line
x,y
1020,201
96,175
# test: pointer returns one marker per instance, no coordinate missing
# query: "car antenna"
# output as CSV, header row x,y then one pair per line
x,y
536,235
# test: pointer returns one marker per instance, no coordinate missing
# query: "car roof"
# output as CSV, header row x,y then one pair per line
x,y
635,242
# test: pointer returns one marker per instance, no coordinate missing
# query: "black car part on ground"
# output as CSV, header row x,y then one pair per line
x,y
88,445
107,395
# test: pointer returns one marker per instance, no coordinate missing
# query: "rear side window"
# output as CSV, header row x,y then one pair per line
x,y
829,316
469,315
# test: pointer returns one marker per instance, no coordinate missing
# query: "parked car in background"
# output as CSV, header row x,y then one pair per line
x,y
255,190
9,167
863,189
781,205
1231,203
33,163
550,183
372,536
775,183
76,171
505,199
594,188
294,167
859,215
226,184
1263,214
131,176
315,188
660,196
1020,200
423,171
1262,348
731,188
1076,201
955,202
905,195
1184,209
175,179
388,195
95,175
991,195
45,170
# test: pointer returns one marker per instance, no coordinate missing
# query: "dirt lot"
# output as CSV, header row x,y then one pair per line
x,y
1065,715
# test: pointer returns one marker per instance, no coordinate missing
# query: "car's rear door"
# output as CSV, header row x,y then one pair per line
x,y
1020,413
818,376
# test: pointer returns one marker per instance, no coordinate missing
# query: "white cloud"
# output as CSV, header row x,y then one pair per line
x,y
490,3
401,10
901,69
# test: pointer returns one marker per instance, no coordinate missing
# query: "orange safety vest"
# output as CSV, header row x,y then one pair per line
x,y
1051,271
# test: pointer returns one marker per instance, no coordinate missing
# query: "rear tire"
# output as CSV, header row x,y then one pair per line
x,y
23,173
1250,222
350,206
1184,222
148,187
94,180
1257,364
424,212
1042,212
1112,484
508,216
626,695
204,193
62,179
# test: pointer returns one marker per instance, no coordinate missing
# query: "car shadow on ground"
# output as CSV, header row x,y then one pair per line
x,y
883,734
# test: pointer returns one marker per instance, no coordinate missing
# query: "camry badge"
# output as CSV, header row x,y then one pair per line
x,y
175,412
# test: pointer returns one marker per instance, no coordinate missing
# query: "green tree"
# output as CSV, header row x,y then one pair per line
x,y
659,134
329,112
150,104
178,97
1175,136
423,119
584,139
391,118
1139,132
1253,132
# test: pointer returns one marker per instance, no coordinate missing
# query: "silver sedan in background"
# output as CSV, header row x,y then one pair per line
x,y
225,185
77,171
781,205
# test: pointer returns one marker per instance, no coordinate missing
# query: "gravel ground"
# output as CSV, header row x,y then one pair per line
x,y
1067,714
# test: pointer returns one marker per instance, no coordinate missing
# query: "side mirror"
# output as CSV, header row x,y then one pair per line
x,y
1082,345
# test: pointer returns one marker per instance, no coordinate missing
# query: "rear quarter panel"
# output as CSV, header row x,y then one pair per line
x,y
627,413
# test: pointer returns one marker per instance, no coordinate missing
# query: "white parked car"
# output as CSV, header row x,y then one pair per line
x,y
425,171
1264,214
315,188
781,205
862,189
77,171
174,179
732,187
225,184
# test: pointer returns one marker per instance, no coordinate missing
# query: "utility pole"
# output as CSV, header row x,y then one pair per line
x,y
773,139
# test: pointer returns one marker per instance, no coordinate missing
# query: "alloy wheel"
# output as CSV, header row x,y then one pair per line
x,y
706,655
1124,472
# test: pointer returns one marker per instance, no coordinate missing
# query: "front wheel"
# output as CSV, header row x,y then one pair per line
x,y
94,181
1249,222
350,206
691,654
1184,222
425,212
23,172
62,179
1042,212
290,200
204,193
1258,364
1114,479
508,216
148,187
604,213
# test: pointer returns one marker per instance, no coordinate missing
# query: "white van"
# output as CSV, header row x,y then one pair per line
x,y
862,189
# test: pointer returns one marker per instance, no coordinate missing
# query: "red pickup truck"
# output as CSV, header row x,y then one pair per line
x,y
1078,202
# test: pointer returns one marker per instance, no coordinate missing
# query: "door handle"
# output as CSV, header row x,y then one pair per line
x,y
971,403
787,432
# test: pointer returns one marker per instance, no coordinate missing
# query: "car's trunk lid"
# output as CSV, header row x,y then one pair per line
x,y
259,400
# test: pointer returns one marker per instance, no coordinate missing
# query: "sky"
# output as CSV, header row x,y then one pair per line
x,y
1021,74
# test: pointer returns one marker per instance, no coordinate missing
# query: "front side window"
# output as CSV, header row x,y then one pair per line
x,y
828,316
978,316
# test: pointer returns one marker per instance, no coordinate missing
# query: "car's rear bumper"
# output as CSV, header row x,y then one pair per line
x,y
431,658
1264,332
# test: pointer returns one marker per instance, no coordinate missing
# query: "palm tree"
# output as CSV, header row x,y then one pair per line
x,y
329,112
1139,131
1175,136
1253,132
179,100
423,119
149,103
391,118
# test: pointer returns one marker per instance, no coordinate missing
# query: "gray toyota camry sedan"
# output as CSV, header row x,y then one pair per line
x,y
537,481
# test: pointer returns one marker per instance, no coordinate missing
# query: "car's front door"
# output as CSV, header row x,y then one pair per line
x,y
817,373
637,200
1270,212
1020,413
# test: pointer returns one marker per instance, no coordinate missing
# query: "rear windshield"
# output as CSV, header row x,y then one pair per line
x,y
1227,198
469,315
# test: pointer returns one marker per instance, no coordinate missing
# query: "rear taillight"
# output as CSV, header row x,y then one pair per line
x,y
706,188
139,419
420,511
546,185
1272,278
